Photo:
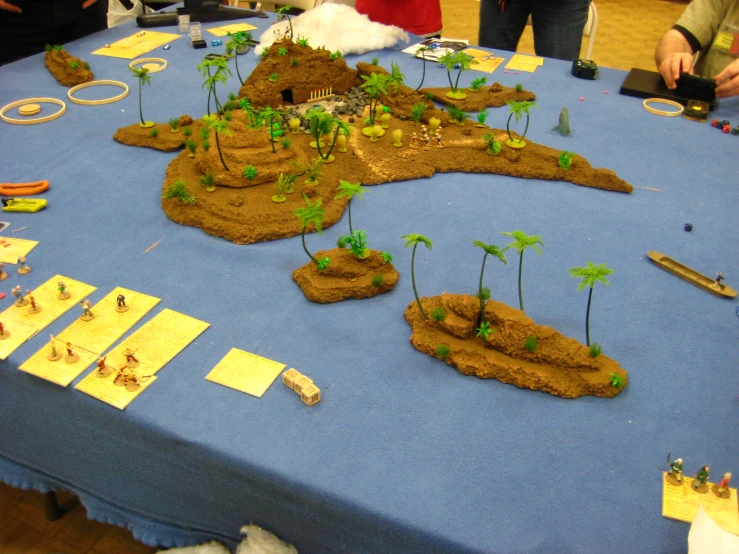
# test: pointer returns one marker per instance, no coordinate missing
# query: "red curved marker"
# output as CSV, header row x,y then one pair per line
x,y
23,189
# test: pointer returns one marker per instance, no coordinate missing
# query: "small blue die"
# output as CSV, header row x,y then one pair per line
x,y
456,66
165,47
440,65
216,42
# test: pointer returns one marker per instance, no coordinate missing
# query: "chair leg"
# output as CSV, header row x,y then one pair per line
x,y
51,506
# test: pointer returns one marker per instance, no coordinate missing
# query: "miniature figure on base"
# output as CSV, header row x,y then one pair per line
x,y
675,475
103,370
63,292
34,308
87,314
71,356
3,273
23,267
20,300
722,488
700,479
121,304
131,360
54,354
4,333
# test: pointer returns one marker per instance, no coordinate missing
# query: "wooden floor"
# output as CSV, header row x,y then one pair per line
x,y
24,529
627,35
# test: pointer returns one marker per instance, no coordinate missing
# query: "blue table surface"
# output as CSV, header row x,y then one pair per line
x,y
403,454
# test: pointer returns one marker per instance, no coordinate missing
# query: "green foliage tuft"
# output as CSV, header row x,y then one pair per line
x,y
191,145
179,190
74,65
341,242
154,132
323,263
375,60
377,280
86,66
616,380
285,142
484,330
205,145
595,350
294,62
386,257
417,111
484,294
303,41
282,51
428,96
519,87
174,123
565,160
478,83
208,181
333,56
273,77
186,132
438,314
442,351
482,116
457,114
531,344
249,172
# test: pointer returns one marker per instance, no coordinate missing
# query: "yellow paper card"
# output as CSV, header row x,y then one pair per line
x,y
105,389
486,62
17,333
520,62
681,502
11,248
233,28
245,372
135,46
100,333
47,299
59,371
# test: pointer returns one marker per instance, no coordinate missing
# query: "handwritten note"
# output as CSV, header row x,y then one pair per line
x,y
134,46
11,248
245,372
681,502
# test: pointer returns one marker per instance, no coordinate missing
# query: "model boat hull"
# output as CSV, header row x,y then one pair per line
x,y
691,275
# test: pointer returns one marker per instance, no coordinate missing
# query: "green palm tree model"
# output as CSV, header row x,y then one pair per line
x,y
250,116
219,126
461,62
320,123
590,275
142,74
350,190
517,110
490,250
397,77
220,76
284,14
268,114
414,240
422,50
237,40
522,241
374,85
312,213
341,127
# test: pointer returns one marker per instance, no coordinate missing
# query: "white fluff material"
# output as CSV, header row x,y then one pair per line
x,y
336,27
257,541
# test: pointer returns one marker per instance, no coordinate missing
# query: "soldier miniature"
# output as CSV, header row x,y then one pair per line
x,y
723,485
63,292
54,355
102,369
4,334
87,314
121,301
719,278
701,477
676,470
414,140
34,309
71,356
3,274
131,360
20,300
23,266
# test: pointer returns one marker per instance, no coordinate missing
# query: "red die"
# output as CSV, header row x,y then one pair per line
x,y
726,128
715,123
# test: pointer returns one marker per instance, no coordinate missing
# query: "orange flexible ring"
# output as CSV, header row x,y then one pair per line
x,y
23,189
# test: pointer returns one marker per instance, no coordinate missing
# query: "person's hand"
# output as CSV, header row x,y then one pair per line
x,y
86,4
10,7
673,65
727,81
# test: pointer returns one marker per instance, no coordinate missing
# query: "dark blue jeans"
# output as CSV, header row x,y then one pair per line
x,y
558,25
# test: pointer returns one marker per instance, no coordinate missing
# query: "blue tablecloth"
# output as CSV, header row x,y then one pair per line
x,y
403,454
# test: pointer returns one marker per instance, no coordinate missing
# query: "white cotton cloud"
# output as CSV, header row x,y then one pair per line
x,y
336,27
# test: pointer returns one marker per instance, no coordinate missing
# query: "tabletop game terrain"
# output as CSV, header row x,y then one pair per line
x,y
292,77
67,69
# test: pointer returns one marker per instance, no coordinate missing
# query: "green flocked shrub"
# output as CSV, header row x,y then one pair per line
x,y
442,351
595,350
531,344
377,280
438,314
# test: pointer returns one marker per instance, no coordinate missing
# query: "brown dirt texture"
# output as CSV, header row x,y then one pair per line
x,y
560,366
494,96
345,277
166,140
59,63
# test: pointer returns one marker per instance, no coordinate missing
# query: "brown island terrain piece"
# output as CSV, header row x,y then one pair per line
x,y
345,277
560,366
67,69
494,96
165,138
239,207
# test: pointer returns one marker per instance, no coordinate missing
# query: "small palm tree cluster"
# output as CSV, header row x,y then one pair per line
x,y
374,85
312,214
236,41
590,274
518,109
461,62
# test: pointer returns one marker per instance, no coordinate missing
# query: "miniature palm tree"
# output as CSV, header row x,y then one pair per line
x,y
461,62
220,76
312,213
342,128
250,116
284,13
477,84
457,114
414,240
490,250
320,123
237,40
142,74
481,117
422,50
590,275
522,241
313,171
517,110
349,190
396,76
268,114
374,85
219,126
208,181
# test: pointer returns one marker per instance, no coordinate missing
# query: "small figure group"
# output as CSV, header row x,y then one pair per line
x,y
700,481
414,140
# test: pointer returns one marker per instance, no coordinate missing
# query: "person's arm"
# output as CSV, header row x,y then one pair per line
x,y
728,81
86,4
673,55
9,7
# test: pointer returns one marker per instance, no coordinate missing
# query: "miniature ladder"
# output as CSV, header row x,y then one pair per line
x,y
321,93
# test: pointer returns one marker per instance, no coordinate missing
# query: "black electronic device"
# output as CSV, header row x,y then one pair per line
x,y
650,84
204,11
697,88
584,69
